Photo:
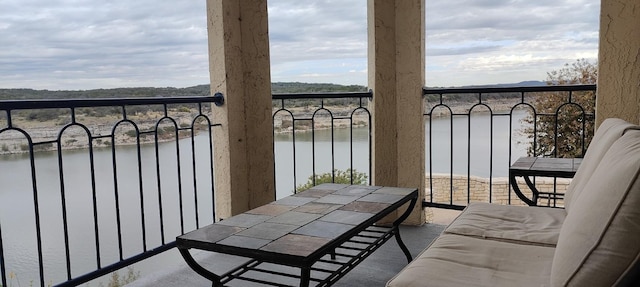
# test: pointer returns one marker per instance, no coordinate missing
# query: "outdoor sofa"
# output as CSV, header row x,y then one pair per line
x,y
593,241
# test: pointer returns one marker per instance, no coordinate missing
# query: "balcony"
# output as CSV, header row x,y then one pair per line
x,y
104,184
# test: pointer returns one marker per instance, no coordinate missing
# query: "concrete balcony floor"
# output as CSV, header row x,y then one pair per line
x,y
376,270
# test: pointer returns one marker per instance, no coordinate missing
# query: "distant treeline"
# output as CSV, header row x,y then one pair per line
x,y
201,90
473,98
29,94
470,98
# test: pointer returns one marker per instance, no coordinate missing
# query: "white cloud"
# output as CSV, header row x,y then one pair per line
x,y
495,41
78,44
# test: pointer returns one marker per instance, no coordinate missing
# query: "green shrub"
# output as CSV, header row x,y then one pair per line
x,y
132,133
44,114
117,281
286,123
43,147
341,176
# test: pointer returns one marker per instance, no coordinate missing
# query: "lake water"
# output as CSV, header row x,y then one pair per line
x,y
485,149
16,196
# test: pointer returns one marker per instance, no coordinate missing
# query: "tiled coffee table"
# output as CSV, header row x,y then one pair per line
x,y
321,234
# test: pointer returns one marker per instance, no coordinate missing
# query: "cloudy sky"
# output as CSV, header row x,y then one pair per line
x,y
87,44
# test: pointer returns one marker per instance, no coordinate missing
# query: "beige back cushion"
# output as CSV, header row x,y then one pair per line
x,y
608,132
600,238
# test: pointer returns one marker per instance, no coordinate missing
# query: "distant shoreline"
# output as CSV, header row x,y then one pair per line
x,y
47,131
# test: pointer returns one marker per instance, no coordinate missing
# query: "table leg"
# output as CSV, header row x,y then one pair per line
x,y
516,189
534,190
396,229
305,276
215,279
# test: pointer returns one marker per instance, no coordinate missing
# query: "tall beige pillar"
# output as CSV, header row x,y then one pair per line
x,y
619,61
396,76
239,68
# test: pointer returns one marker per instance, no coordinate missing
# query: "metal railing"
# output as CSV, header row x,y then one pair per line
x,y
474,134
115,172
106,183
321,137
124,185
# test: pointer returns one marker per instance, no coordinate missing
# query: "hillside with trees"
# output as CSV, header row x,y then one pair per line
x,y
141,92
201,90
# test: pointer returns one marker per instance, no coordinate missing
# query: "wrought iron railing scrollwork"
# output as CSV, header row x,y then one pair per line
x,y
128,174
311,121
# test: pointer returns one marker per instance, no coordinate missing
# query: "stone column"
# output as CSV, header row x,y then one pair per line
x,y
396,70
619,61
239,68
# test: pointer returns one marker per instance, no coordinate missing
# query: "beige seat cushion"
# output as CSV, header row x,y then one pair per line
x,y
600,238
519,224
607,133
454,260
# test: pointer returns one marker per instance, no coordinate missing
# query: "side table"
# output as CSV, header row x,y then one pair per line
x,y
537,166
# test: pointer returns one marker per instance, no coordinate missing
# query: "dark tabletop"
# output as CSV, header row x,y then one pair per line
x,y
299,226
540,166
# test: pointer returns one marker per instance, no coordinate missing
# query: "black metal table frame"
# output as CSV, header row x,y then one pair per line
x,y
355,235
536,194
